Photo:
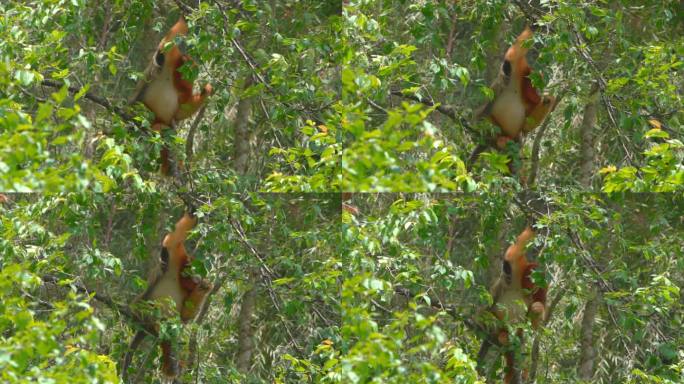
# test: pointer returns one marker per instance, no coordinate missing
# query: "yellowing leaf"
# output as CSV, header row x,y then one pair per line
x,y
608,169
655,123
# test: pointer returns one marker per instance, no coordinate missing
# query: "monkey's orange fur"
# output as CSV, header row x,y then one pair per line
x,y
516,296
187,293
517,107
165,92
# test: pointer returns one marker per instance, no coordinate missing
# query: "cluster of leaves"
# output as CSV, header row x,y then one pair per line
x,y
38,132
38,348
372,96
388,148
662,171
46,337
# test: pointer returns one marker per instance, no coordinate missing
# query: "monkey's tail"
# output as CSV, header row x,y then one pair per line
x,y
510,376
165,161
169,361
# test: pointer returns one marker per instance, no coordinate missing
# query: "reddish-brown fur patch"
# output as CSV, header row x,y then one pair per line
x,y
169,367
530,94
183,86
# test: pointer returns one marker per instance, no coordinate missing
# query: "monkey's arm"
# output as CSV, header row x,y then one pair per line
x,y
193,303
520,47
141,87
193,104
537,310
180,233
517,250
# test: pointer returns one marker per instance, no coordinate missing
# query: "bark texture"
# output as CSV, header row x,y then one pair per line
x,y
585,369
246,332
587,152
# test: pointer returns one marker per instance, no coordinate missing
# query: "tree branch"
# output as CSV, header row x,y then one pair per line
x,y
445,110
123,309
311,113
266,273
534,167
185,9
437,304
101,101
190,140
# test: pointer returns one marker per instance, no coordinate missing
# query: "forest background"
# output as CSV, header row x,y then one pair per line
x,y
347,235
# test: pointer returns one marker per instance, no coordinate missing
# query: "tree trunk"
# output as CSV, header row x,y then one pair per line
x,y
585,370
587,138
587,351
245,331
241,164
241,138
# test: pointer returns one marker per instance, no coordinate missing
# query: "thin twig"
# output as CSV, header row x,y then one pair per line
x,y
185,9
110,222
437,304
243,239
452,35
534,167
266,274
190,140
311,113
445,110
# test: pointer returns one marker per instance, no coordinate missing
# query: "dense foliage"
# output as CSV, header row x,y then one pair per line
x,y
349,234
